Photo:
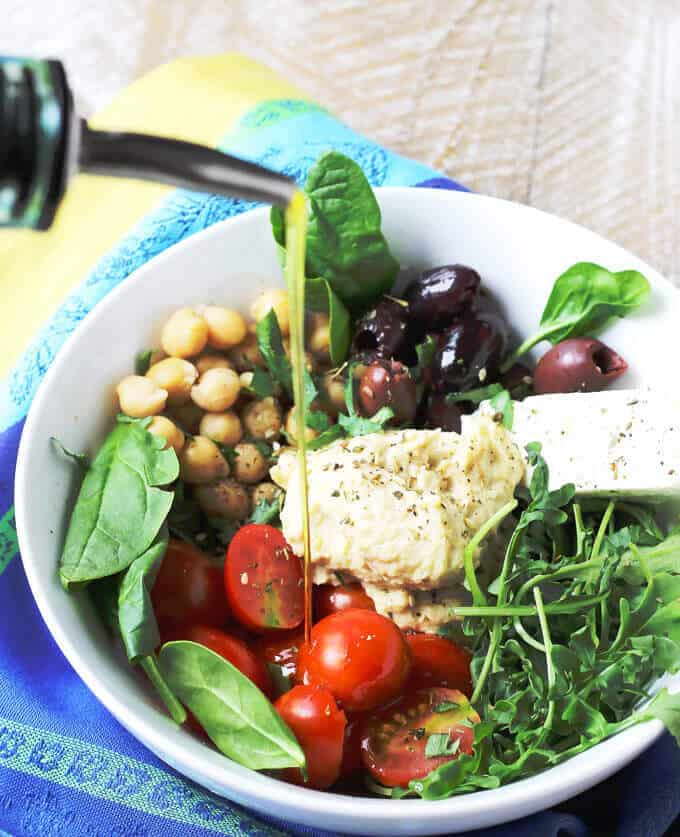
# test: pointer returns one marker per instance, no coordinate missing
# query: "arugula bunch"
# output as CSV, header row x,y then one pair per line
x,y
568,640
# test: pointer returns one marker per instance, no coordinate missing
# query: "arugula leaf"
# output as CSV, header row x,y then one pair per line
x,y
82,460
665,706
334,432
446,706
121,505
143,361
319,296
345,245
235,714
356,425
502,403
267,512
475,396
270,343
583,300
261,384
440,744
424,353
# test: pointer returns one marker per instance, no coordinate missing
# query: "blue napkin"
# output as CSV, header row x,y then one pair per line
x,y
66,766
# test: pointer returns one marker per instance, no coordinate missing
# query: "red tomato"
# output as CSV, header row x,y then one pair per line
x,y
436,661
188,589
361,656
394,741
329,599
281,649
319,726
264,579
231,649
351,752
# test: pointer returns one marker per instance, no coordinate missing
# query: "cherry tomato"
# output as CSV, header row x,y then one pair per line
x,y
188,589
264,579
232,649
361,656
319,726
281,649
329,599
436,661
394,741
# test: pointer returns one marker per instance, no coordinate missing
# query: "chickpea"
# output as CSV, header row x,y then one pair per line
x,y
168,430
246,356
226,327
291,429
263,419
140,397
187,415
223,498
250,466
334,393
264,492
212,361
319,338
224,428
200,461
157,355
175,375
246,379
216,390
185,334
310,361
276,298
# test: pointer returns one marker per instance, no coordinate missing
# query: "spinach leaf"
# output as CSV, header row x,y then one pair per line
x,y
104,596
231,709
121,506
583,300
137,622
271,348
345,245
143,361
319,296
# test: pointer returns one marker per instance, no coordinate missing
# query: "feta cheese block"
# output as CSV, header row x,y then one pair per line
x,y
611,443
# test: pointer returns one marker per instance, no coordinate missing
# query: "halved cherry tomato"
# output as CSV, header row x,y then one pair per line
x,y
436,661
361,656
394,741
329,599
188,589
231,649
281,649
319,726
264,579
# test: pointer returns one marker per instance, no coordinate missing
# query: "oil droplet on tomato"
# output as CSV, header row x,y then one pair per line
x,y
296,231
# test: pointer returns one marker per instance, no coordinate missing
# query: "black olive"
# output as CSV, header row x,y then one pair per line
x,y
441,295
469,353
382,331
440,413
518,380
579,364
388,383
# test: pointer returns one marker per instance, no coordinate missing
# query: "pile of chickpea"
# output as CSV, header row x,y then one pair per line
x,y
198,382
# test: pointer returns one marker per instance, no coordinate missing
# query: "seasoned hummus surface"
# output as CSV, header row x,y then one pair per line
x,y
395,510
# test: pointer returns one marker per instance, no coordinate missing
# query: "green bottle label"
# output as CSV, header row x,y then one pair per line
x,y
35,114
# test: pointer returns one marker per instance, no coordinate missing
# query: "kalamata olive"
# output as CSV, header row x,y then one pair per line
x,y
579,364
381,332
469,353
518,380
440,413
440,295
388,383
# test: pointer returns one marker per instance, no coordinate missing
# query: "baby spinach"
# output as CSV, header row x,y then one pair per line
x,y
319,296
583,300
82,460
235,714
345,244
121,505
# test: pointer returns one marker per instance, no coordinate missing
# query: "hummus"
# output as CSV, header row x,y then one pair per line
x,y
396,510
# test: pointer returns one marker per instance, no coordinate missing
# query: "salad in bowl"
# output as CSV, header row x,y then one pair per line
x,y
478,615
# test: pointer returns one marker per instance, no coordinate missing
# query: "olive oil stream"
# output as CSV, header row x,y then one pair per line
x,y
296,231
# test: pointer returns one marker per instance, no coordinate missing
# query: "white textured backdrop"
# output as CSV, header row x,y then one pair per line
x,y
570,105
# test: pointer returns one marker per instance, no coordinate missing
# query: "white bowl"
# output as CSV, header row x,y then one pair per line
x,y
519,252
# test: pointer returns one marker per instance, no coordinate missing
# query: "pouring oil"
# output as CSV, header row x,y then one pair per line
x,y
296,230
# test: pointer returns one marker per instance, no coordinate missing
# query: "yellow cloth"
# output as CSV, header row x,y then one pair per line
x,y
37,270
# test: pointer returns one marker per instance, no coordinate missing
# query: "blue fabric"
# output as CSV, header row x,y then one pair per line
x,y
66,766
